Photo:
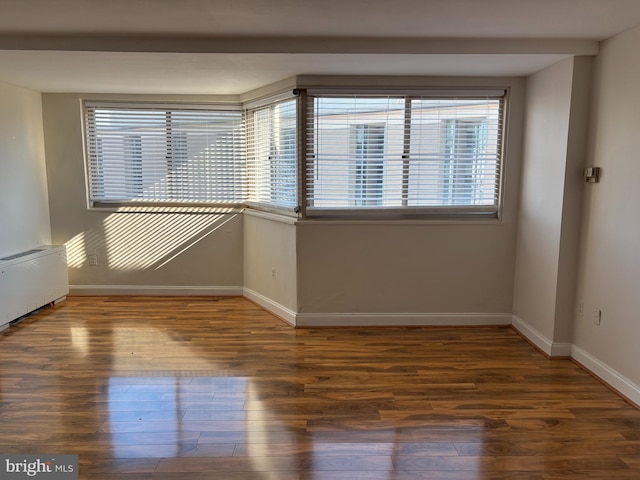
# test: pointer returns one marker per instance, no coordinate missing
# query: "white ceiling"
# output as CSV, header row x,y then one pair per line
x,y
232,46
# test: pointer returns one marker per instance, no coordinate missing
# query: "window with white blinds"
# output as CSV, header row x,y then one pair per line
x,y
380,153
272,155
411,154
164,154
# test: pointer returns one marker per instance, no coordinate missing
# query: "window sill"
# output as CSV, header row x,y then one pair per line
x,y
398,221
168,209
276,217
291,218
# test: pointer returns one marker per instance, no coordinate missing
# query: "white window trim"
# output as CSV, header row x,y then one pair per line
x,y
301,214
463,213
96,203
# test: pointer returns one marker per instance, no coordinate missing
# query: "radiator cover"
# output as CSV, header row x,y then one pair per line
x,y
31,279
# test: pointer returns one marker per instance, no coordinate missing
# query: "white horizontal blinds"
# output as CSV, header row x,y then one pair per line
x,y
272,154
354,152
164,154
454,153
404,153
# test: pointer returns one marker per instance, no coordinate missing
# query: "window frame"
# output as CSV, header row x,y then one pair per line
x,y
406,211
169,137
304,133
279,160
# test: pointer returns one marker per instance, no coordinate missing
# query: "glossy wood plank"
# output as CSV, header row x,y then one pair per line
x,y
165,388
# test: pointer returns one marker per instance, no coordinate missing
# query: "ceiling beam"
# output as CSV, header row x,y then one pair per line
x,y
306,45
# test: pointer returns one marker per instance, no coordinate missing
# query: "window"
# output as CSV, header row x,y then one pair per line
x,y
403,154
463,149
133,165
164,154
379,153
369,153
272,154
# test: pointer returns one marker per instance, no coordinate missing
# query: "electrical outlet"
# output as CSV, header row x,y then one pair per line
x,y
93,260
597,316
580,309
273,272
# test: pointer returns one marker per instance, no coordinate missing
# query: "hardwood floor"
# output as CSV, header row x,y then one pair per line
x,y
216,388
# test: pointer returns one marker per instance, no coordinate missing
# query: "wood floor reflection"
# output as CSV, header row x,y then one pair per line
x,y
216,388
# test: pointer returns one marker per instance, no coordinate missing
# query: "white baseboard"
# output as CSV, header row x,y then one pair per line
x,y
560,350
539,340
607,374
401,319
277,309
88,290
303,319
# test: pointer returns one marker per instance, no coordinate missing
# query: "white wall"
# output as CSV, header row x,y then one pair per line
x,y
270,272
557,100
541,193
424,269
432,268
24,207
609,268
414,272
574,186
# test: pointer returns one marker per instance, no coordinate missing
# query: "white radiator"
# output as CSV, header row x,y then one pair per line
x,y
31,279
